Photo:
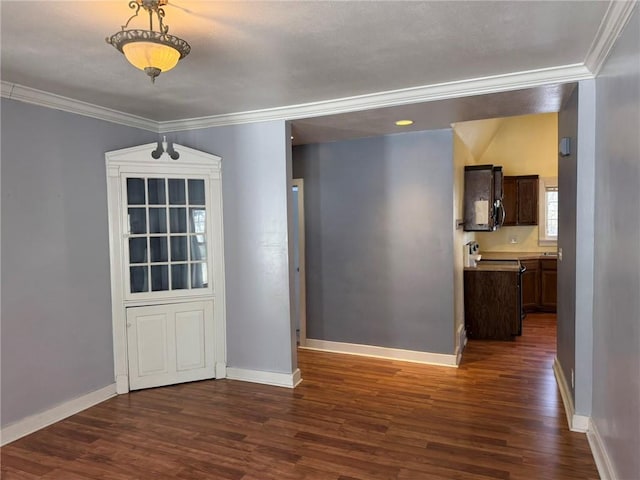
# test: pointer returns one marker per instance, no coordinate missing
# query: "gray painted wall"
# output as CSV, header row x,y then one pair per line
x,y
567,191
585,218
616,334
576,187
379,244
56,307
255,190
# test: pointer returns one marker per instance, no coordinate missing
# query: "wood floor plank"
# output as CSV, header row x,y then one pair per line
x,y
498,416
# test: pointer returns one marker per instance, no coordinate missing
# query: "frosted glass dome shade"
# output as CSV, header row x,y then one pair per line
x,y
151,55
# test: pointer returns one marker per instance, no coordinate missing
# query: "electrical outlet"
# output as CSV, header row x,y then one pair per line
x,y
513,239
573,379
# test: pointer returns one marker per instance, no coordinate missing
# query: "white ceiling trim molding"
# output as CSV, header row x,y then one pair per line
x,y
427,93
613,22
45,99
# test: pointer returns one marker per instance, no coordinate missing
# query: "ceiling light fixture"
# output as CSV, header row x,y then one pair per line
x,y
404,123
149,50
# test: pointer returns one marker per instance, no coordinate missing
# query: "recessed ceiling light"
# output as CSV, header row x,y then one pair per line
x,y
404,123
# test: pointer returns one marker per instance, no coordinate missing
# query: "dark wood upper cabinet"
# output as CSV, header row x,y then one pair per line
x,y
527,200
521,200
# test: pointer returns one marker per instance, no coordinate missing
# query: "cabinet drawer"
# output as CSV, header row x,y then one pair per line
x,y
548,264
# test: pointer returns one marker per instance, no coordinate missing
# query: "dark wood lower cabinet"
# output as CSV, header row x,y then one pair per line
x,y
530,285
539,285
548,285
492,304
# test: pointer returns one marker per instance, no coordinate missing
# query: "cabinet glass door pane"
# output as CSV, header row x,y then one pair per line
x,y
159,277
156,191
157,220
138,279
198,248
137,220
198,275
178,220
178,249
197,219
158,247
179,276
138,250
135,191
196,192
176,191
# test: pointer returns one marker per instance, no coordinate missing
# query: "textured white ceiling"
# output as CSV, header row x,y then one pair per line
x,y
256,55
430,115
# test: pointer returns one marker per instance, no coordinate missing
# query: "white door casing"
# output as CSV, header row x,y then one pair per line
x,y
163,322
301,274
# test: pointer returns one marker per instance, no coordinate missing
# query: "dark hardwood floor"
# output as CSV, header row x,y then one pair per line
x,y
499,416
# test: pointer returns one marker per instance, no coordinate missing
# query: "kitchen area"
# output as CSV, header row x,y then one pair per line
x,y
509,223
502,287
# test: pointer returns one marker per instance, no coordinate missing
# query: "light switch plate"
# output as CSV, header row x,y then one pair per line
x,y
564,148
560,254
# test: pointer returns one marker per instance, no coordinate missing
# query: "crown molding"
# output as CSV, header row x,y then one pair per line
x,y
15,91
5,91
613,22
427,93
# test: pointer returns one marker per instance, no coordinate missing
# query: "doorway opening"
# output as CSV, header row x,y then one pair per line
x,y
527,232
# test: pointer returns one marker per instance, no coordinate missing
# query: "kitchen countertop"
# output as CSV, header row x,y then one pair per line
x,y
517,255
501,265
493,268
507,261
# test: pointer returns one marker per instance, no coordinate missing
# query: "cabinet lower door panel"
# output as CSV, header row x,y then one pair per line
x,y
151,353
169,344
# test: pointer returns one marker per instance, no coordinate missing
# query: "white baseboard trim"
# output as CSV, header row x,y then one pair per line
x,y
288,380
414,356
221,370
40,420
580,423
462,342
599,452
122,384
577,423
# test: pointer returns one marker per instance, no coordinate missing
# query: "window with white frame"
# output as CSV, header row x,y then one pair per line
x,y
548,214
